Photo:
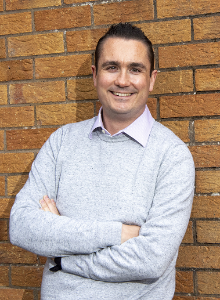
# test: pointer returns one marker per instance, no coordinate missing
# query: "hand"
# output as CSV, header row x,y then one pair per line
x,y
128,232
48,204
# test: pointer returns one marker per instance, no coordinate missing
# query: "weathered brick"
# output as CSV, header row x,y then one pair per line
x,y
16,116
152,105
180,128
98,106
37,92
3,231
1,5
5,207
36,44
15,183
4,280
188,238
207,79
185,298
173,82
206,156
63,66
81,89
42,260
206,28
16,294
60,114
15,23
27,138
189,55
28,4
184,282
83,40
190,105
207,130
16,70
2,185
2,48
15,162
208,231
167,31
173,8
75,1
3,94
206,207
1,139
208,181
26,276
59,18
199,257
208,282
10,254
128,11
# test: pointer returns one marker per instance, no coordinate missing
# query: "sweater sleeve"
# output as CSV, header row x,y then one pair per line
x,y
147,256
45,233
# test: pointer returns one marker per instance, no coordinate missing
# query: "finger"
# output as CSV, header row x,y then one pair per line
x,y
51,205
44,205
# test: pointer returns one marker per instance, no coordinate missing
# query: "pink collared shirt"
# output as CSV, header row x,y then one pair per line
x,y
139,130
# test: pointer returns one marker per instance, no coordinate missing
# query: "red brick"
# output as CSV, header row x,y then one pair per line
x,y
15,162
206,207
3,94
1,5
2,48
26,276
16,70
27,138
184,282
173,8
208,283
180,128
189,105
206,156
189,55
173,82
206,28
10,254
98,106
42,260
63,66
3,231
167,31
16,116
188,238
199,257
16,294
184,298
15,23
35,44
60,114
37,92
1,139
60,18
15,183
81,89
208,181
5,207
152,105
28,4
207,79
208,231
128,11
2,185
83,40
207,130
75,1
4,280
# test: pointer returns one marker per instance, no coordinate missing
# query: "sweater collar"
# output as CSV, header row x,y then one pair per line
x,y
139,130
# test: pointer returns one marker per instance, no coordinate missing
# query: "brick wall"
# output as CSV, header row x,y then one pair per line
x,y
46,49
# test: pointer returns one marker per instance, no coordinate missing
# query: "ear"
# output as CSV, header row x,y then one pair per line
x,y
94,75
152,80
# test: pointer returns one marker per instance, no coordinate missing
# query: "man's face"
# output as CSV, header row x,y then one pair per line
x,y
123,78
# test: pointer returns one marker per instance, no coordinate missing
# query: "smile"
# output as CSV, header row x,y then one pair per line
x,y
121,94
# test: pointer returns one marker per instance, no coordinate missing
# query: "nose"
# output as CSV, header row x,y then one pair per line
x,y
122,79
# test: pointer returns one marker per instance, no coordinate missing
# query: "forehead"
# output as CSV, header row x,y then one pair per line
x,y
124,50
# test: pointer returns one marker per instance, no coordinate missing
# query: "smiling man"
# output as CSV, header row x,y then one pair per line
x,y
122,186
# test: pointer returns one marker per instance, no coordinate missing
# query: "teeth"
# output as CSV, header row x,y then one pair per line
x,y
120,94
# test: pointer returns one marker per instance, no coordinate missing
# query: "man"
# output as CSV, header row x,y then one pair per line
x,y
122,186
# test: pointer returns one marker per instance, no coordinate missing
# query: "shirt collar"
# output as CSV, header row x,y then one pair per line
x,y
139,130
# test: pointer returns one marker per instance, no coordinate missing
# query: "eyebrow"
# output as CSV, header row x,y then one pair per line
x,y
131,65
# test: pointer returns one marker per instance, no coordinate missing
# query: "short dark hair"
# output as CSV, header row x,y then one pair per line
x,y
129,32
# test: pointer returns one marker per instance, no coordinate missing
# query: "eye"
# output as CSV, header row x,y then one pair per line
x,y
111,68
135,70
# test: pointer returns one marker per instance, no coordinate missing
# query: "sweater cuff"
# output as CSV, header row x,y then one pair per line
x,y
110,234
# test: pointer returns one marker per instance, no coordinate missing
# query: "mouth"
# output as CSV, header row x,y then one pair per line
x,y
122,94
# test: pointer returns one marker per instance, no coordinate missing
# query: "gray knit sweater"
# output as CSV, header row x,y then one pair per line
x,y
98,184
